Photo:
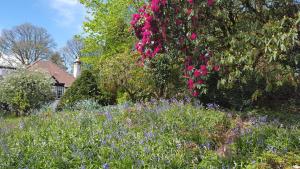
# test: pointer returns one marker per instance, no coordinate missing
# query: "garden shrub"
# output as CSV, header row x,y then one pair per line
x,y
120,74
252,45
84,88
165,72
23,91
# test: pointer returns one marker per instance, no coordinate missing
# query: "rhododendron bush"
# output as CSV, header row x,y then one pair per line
x,y
162,26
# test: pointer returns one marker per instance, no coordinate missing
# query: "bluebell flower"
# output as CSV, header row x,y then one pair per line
x,y
21,124
108,116
212,106
263,119
149,135
105,166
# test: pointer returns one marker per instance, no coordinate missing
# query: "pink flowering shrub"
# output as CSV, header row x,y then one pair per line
x,y
164,25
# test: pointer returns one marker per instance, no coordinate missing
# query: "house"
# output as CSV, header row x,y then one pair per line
x,y
63,80
5,70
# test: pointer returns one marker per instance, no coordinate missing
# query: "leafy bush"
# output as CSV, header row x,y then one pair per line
x,y
165,71
84,88
256,44
23,91
121,74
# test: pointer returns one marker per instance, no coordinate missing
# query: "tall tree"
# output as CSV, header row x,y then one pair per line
x,y
72,50
27,43
57,59
108,27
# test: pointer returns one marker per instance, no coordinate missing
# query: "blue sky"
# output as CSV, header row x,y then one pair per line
x,y
62,18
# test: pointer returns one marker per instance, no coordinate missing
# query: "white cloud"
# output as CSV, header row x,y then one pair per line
x,y
68,11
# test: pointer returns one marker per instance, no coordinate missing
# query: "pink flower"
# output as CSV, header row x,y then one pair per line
x,y
195,94
155,5
139,47
157,49
135,19
191,84
148,53
178,21
193,36
190,68
148,18
189,11
210,2
197,73
200,81
190,1
203,68
216,68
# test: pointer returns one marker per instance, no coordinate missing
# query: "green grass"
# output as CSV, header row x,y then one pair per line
x,y
159,135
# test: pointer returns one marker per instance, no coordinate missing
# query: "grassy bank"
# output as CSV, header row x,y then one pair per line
x,y
156,135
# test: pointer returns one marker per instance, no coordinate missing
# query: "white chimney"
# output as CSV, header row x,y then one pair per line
x,y
77,68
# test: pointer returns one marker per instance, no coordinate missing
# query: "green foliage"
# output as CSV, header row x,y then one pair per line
x,y
23,91
84,88
108,27
122,74
258,45
149,135
58,60
165,70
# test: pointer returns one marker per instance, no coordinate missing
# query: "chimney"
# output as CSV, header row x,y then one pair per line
x,y
77,68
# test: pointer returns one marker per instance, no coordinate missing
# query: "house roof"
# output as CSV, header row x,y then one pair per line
x,y
59,74
7,67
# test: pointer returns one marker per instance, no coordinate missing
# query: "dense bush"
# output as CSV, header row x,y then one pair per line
x,y
23,91
255,44
158,134
165,72
84,88
121,76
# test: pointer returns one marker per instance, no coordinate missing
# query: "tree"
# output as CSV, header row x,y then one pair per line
x,y
57,59
164,70
107,30
163,26
253,41
27,43
72,50
121,74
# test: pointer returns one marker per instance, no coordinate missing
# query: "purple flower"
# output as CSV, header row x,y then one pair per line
x,y
212,106
149,135
105,166
108,116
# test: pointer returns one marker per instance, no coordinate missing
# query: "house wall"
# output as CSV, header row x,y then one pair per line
x,y
58,90
5,71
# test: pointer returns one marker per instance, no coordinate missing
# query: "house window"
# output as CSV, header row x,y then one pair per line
x,y
59,91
